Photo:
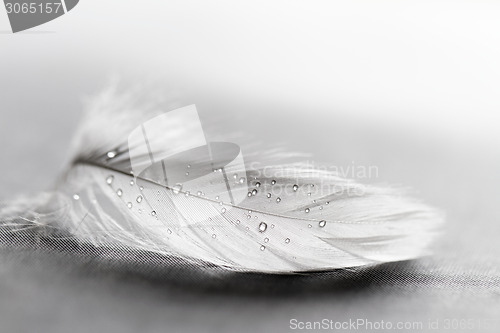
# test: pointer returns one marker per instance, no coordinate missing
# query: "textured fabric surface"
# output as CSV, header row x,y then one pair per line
x,y
55,285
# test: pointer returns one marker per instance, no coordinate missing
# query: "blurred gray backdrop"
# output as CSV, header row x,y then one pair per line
x,y
409,87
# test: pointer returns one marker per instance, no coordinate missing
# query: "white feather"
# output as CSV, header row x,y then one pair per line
x,y
327,222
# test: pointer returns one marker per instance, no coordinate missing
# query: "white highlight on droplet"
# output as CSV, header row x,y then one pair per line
x,y
177,188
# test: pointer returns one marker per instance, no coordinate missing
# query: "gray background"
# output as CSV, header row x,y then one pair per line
x,y
410,87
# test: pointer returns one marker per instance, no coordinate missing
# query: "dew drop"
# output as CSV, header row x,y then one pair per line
x,y
262,248
169,231
109,180
132,182
217,198
187,173
307,210
141,188
254,192
262,226
235,176
153,213
249,212
249,194
214,236
309,194
268,195
295,187
249,217
237,221
177,188
198,193
111,154
272,226
189,166
257,184
287,240
76,196
187,194
322,223
242,180
129,205
273,182
320,207
119,192
309,226
223,210
266,240
278,199
139,199
221,203
327,203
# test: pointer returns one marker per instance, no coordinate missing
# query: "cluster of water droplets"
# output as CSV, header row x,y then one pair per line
x,y
262,227
119,192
